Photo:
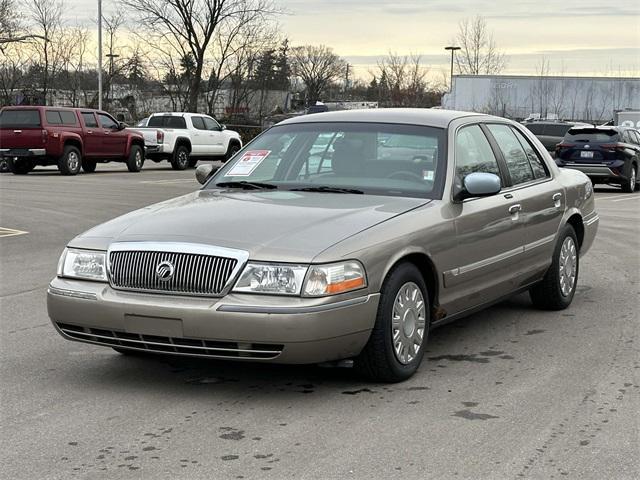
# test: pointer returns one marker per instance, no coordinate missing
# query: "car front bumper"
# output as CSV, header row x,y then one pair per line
x,y
237,327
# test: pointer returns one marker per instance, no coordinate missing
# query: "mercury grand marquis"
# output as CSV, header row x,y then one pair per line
x,y
340,235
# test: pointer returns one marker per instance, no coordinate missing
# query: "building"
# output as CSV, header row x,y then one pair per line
x,y
591,99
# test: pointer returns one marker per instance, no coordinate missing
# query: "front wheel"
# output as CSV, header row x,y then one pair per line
x,y
398,339
557,288
136,159
180,159
70,161
630,185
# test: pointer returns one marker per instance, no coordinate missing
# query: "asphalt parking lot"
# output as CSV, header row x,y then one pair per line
x,y
507,393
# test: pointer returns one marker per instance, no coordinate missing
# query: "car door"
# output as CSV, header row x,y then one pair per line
x,y
216,137
92,135
114,139
488,229
540,197
200,138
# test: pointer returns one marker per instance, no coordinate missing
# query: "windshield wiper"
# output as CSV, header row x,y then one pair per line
x,y
327,189
248,185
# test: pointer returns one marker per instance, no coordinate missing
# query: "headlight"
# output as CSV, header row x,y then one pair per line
x,y
84,264
334,278
270,278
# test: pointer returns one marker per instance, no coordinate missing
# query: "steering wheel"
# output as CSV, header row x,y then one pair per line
x,y
405,174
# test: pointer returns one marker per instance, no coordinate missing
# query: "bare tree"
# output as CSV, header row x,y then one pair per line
x,y
47,18
318,67
403,79
478,53
187,27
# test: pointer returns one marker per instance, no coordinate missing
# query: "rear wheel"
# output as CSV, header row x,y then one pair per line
x,y
20,166
630,185
70,161
88,165
398,339
557,288
231,151
136,159
181,158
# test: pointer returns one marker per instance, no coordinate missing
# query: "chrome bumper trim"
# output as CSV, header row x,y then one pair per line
x,y
263,309
71,293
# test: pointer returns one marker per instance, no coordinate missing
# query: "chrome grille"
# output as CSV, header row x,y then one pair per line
x,y
193,273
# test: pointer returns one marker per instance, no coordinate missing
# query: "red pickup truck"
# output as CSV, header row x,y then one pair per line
x,y
70,138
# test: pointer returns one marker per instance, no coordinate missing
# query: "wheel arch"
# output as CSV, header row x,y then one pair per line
x,y
182,142
575,220
74,141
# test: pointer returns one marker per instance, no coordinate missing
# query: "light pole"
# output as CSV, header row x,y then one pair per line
x,y
99,54
453,51
111,56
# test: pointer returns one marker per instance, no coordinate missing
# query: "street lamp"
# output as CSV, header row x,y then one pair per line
x,y
453,50
111,56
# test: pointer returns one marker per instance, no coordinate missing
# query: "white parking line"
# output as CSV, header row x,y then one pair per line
x,y
10,232
607,198
163,182
631,197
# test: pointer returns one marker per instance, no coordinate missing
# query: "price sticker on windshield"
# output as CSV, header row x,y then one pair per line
x,y
248,163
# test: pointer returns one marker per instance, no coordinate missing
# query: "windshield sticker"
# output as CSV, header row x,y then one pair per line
x,y
248,163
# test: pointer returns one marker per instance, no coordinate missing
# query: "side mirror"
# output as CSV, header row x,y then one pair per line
x,y
121,126
223,127
204,171
479,184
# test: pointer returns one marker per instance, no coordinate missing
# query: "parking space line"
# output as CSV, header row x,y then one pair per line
x,y
11,232
163,182
633,197
607,198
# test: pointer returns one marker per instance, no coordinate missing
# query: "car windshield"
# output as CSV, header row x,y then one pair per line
x,y
348,158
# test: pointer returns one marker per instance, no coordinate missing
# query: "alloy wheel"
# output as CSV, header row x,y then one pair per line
x,y
73,161
408,323
568,266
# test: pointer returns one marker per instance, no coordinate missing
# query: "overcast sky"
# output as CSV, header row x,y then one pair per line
x,y
587,37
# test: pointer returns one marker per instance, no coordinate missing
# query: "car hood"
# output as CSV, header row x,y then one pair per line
x,y
271,226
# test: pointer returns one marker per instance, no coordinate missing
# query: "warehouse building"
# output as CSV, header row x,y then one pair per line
x,y
591,99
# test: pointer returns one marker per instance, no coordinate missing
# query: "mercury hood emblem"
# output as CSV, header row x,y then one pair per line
x,y
164,271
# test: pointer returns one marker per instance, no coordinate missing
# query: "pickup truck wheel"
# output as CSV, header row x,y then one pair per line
x,y
180,159
70,161
136,159
557,288
88,165
231,151
398,339
4,166
21,166
630,185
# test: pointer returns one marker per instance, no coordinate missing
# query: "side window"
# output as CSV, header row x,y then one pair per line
x,y
211,124
514,155
106,121
68,118
53,117
89,119
537,164
473,153
198,123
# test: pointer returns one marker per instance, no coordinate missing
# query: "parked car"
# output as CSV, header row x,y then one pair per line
x,y
606,154
551,133
185,138
71,138
279,260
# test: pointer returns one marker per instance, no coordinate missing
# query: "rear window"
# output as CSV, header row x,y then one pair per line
x,y
19,118
167,121
591,135
535,128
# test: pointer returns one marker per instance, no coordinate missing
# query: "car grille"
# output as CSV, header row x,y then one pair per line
x,y
183,346
193,274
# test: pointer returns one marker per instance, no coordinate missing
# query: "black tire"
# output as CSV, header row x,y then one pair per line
x,y
378,360
20,167
136,159
180,159
548,294
193,162
70,161
4,166
630,184
88,165
232,149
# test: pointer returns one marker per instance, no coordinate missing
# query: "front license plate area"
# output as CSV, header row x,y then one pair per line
x,y
162,327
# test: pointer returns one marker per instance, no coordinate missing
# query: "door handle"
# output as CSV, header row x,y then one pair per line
x,y
89,131
513,209
557,197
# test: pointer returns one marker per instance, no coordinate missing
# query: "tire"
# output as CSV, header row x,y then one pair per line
x,y
4,166
193,162
557,288
380,361
88,166
232,149
180,159
631,182
70,161
21,167
136,159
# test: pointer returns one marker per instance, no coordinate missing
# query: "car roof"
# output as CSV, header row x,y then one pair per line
x,y
410,116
